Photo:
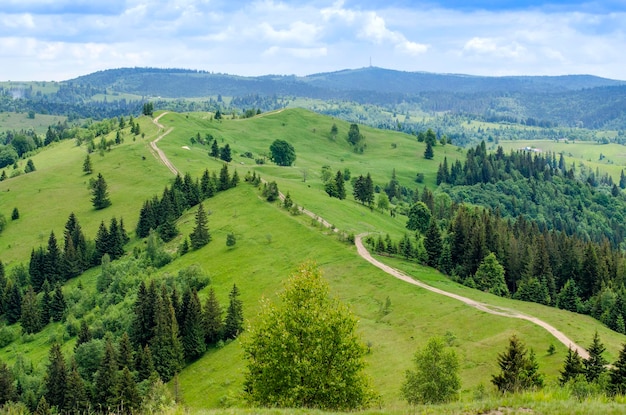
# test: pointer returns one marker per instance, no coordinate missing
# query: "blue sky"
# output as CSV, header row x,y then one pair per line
x,y
62,39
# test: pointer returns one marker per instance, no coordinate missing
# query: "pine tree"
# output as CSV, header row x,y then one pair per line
x,y
100,194
76,400
53,260
200,235
340,187
106,381
87,166
55,382
224,180
429,153
213,323
233,324
518,372
7,389
145,364
57,304
128,396
102,244
568,299
36,268
84,334
433,243
125,353
142,328
215,149
572,367
617,382
31,318
225,154
44,305
167,350
595,364
43,407
193,329
13,303
116,240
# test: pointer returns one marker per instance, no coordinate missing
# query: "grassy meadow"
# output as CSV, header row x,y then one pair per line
x,y
271,243
17,121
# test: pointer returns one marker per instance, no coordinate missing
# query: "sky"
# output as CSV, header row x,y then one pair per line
x,y
55,40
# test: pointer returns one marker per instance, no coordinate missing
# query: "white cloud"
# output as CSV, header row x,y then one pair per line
x,y
490,46
40,39
298,32
301,53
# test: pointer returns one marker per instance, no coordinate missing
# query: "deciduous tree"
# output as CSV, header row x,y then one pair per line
x,y
305,352
435,378
282,153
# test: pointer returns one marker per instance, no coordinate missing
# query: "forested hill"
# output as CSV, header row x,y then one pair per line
x,y
545,101
176,83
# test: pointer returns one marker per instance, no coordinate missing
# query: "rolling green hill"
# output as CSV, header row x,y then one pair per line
x,y
271,243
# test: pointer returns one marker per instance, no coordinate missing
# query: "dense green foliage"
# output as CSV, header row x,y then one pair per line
x,y
435,378
304,352
282,153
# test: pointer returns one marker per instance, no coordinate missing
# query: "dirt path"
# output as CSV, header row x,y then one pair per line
x,y
364,253
156,151
498,311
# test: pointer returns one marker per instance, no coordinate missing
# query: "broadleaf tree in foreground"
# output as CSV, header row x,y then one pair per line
x,y
304,352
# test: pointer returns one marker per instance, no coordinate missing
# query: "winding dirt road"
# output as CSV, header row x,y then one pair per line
x,y
364,253
156,151
498,311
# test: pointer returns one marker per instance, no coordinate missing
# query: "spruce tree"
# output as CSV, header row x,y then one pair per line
x,y
433,244
200,235
7,389
129,399
106,381
429,153
44,305
57,304
84,334
595,364
53,260
340,187
518,372
224,180
193,329
55,381
233,324
125,353
116,240
76,399
142,328
13,303
36,268
225,154
572,367
215,149
617,382
99,193
167,350
213,322
87,166
102,244
31,318
144,364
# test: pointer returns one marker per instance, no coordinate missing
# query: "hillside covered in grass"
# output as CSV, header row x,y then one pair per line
x,y
270,243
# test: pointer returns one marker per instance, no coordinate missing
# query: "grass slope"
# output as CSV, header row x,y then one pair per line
x,y
271,243
47,196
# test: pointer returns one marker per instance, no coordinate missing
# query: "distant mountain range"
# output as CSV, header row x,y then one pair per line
x,y
177,83
547,101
